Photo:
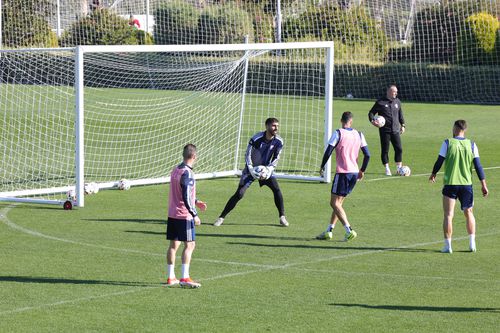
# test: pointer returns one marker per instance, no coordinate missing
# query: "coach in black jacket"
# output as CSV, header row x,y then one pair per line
x,y
390,108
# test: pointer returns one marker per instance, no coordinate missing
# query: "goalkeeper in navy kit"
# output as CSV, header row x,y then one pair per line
x,y
261,158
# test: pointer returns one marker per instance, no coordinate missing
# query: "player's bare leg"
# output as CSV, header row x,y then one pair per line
x,y
448,212
471,228
186,280
336,202
171,251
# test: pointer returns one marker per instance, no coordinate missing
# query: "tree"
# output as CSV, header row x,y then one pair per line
x,y
25,23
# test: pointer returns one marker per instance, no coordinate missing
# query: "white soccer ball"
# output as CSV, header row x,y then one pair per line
x,y
349,95
88,188
71,195
404,171
262,171
380,121
123,184
95,187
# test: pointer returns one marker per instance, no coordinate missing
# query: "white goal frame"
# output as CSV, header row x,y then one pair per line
x,y
81,51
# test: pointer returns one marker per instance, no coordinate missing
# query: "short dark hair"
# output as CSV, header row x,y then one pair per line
x,y
460,124
346,116
189,151
271,120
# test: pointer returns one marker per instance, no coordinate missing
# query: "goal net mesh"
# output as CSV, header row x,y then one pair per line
x,y
141,108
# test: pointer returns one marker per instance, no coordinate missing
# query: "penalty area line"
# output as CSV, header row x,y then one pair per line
x,y
417,175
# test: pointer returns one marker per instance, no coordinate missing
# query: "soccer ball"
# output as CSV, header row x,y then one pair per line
x,y
262,171
349,96
380,121
95,187
88,188
123,184
404,171
71,195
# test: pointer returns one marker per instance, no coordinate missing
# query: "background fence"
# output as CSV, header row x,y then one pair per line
x,y
433,50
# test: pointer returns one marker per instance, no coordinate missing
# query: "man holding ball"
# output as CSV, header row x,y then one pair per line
x,y
389,107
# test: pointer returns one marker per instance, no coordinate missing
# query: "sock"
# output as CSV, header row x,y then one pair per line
x,y
347,229
387,167
447,242
185,271
472,240
330,227
170,270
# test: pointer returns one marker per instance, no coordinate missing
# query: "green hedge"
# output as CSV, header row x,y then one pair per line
x,y
416,82
353,31
476,43
24,24
176,24
101,27
436,29
224,24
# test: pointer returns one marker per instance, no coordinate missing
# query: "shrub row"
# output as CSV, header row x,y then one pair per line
x,y
348,28
416,82
438,30
217,24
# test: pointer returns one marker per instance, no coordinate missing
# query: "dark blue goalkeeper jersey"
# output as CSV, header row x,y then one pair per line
x,y
263,152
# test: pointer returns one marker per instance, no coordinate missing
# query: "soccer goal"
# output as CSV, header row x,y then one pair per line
x,y
100,114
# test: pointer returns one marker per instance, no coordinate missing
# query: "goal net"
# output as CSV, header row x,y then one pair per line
x,y
99,114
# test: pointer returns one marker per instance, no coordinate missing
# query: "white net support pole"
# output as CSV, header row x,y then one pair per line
x,y
79,127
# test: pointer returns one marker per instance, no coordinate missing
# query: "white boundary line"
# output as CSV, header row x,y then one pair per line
x,y
3,218
417,175
263,268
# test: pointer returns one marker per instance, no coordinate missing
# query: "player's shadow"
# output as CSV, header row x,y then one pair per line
x,y
331,246
250,236
143,221
233,236
419,308
49,280
145,232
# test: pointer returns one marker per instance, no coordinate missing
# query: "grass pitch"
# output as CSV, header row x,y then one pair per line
x,y
99,269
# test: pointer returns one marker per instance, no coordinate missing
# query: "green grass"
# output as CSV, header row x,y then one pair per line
x,y
99,268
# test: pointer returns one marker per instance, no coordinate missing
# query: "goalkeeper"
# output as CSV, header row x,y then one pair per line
x,y
263,149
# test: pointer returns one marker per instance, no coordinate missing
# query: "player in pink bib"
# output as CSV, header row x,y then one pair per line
x,y
347,142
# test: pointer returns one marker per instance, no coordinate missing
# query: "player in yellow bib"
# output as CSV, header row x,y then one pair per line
x,y
460,156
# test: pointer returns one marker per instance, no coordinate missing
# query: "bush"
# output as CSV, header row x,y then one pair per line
x,y
263,27
24,24
436,29
143,37
476,43
224,24
353,30
176,24
101,27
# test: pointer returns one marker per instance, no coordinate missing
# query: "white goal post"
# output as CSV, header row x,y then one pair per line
x,y
98,114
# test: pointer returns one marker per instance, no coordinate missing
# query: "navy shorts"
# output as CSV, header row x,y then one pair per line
x,y
343,183
464,193
181,230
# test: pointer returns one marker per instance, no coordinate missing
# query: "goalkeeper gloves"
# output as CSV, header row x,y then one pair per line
x,y
253,172
270,170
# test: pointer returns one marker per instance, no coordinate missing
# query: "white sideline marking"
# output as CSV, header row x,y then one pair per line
x,y
262,267
3,217
73,301
418,175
